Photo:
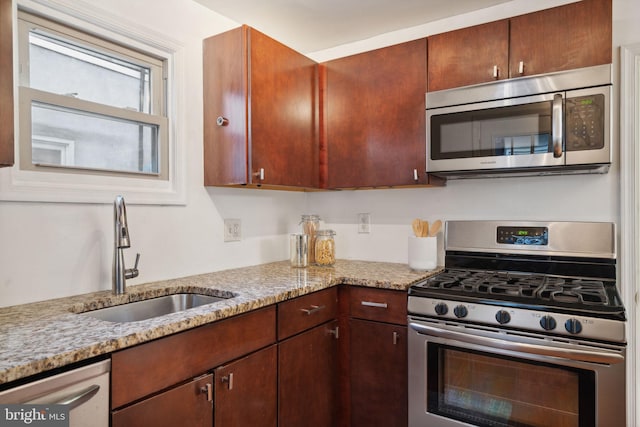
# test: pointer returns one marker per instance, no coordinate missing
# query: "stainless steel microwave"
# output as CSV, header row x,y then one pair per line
x,y
547,124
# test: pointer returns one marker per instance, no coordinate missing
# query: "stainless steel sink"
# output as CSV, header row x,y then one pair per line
x,y
154,307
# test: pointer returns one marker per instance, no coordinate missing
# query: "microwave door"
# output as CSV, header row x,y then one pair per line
x,y
506,134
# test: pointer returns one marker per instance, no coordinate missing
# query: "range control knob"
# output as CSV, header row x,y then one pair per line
x,y
441,309
548,323
503,317
573,326
460,311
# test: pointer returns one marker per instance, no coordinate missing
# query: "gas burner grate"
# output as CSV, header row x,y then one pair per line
x,y
539,288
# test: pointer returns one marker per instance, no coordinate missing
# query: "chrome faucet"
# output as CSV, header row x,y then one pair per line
x,y
121,241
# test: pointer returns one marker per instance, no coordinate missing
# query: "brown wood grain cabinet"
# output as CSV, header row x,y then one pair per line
x,y
246,391
6,84
373,118
377,357
260,112
571,36
308,336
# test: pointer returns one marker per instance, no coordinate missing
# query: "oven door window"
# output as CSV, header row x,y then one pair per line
x,y
489,390
503,131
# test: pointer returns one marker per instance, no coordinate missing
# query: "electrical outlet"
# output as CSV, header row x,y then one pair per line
x,y
232,230
364,223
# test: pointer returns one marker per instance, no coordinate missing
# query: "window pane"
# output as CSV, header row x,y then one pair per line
x,y
63,68
92,141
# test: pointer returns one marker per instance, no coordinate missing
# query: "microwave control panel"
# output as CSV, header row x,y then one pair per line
x,y
585,122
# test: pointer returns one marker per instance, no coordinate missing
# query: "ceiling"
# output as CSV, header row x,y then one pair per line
x,y
314,25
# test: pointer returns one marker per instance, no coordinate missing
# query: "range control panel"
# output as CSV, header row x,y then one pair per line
x,y
532,236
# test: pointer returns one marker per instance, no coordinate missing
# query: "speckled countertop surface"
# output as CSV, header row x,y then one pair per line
x,y
45,335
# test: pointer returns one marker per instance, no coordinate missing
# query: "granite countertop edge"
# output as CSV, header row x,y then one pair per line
x,y
46,335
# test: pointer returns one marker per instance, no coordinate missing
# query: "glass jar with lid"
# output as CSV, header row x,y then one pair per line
x,y
310,225
325,248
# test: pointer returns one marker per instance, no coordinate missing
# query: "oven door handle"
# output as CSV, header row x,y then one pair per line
x,y
564,353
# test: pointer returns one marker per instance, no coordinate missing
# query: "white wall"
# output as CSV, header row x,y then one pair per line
x,y
52,250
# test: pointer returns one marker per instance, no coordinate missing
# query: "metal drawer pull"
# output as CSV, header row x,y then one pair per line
x,y
396,336
335,332
228,379
521,67
208,390
374,304
495,72
78,398
313,309
415,174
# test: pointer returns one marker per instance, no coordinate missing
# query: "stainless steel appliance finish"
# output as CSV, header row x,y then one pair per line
x,y
547,124
84,390
524,311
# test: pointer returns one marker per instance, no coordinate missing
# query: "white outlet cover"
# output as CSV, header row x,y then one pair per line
x,y
364,223
232,230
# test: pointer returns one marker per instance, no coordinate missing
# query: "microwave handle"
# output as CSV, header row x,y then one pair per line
x,y
557,118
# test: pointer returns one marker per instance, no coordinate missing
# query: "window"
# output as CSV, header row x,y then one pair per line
x,y
88,105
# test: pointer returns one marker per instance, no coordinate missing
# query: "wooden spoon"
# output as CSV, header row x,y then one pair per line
x,y
417,227
425,229
435,228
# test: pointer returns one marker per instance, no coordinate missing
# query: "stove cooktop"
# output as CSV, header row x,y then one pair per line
x,y
584,296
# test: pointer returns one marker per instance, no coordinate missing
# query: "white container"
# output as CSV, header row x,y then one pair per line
x,y
423,253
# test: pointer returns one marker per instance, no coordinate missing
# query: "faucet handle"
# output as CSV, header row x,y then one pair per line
x,y
130,273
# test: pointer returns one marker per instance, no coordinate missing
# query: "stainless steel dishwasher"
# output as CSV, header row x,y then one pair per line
x,y
85,392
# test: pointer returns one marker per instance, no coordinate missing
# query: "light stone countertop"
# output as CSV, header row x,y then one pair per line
x,y
40,336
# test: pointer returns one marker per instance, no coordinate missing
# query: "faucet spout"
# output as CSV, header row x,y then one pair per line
x,y
121,241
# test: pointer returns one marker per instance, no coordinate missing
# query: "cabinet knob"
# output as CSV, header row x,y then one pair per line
x,y
521,67
222,121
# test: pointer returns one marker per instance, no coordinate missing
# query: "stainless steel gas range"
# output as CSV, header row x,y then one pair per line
x,y
524,327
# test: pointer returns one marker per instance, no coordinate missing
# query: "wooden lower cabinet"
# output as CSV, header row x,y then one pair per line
x,y
189,404
378,374
308,378
246,391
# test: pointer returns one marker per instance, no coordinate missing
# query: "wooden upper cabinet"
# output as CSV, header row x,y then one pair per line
x,y
562,38
6,83
260,112
373,115
469,56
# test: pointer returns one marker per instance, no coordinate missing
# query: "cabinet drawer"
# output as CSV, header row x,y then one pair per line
x,y
139,371
307,311
382,305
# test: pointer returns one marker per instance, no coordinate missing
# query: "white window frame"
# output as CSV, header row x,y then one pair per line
x,y
82,186
63,146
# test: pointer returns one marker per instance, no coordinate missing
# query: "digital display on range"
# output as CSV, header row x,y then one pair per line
x,y
531,236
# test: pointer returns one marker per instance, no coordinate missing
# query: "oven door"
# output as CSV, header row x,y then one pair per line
x,y
460,375
510,133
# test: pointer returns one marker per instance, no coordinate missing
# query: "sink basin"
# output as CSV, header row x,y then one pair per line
x,y
154,307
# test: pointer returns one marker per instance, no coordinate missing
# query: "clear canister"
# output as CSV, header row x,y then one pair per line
x,y
325,247
310,225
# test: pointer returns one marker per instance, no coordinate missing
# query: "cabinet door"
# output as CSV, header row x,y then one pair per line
x,y
225,108
562,38
283,126
260,112
374,118
187,405
307,365
246,391
469,56
378,374
6,83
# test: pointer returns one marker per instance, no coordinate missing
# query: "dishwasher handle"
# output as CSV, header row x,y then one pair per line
x,y
76,399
